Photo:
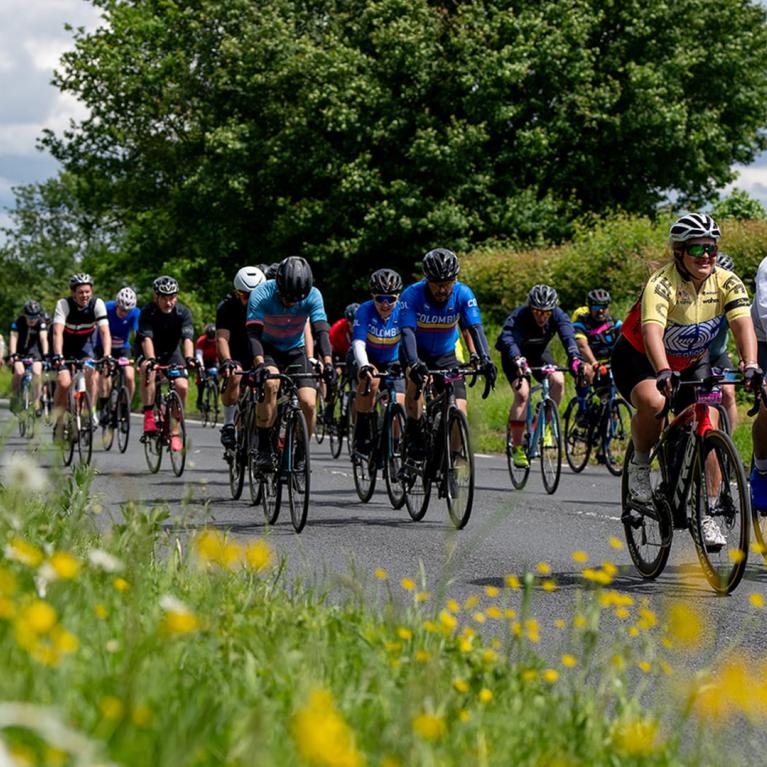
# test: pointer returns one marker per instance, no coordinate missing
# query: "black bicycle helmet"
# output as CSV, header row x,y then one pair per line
x,y
81,278
294,279
723,261
598,296
165,286
32,310
385,281
350,311
440,265
210,330
694,225
542,297
271,271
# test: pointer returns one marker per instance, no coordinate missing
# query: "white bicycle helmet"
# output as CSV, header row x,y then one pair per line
x,y
694,225
247,278
126,299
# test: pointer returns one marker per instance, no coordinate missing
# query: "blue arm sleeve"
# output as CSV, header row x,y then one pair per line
x,y
567,334
409,345
480,341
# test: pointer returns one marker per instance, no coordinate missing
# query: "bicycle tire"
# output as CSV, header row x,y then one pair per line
x,y
459,478
123,419
335,427
648,532
723,567
349,421
551,453
237,458
724,419
85,427
108,427
174,410
153,447
299,476
616,435
320,427
271,495
254,480
578,438
68,429
365,467
518,474
394,430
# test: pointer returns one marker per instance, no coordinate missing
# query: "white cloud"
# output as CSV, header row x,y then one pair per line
x,y
752,179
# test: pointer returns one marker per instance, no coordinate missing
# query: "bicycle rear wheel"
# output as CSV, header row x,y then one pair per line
x,y
319,425
518,474
550,446
721,497
177,426
617,435
460,469
394,431
123,419
299,471
85,427
335,426
237,458
648,530
153,443
577,437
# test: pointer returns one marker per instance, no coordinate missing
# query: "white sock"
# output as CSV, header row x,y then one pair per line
x,y
229,411
761,465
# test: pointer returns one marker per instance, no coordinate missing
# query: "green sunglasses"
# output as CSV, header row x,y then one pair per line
x,y
701,251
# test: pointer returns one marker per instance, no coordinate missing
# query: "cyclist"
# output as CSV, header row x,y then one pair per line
x,y
74,320
375,347
123,315
207,357
165,333
758,477
667,333
276,318
523,342
430,312
28,339
341,334
233,345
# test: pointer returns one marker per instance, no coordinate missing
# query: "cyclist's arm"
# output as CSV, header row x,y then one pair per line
x,y
745,338
255,331
44,340
566,334
508,341
13,340
652,335
468,340
308,339
187,348
585,350
320,330
222,344
360,353
58,338
409,346
481,346
147,347
106,339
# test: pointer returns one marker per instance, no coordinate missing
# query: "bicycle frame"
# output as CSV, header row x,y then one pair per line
x,y
535,430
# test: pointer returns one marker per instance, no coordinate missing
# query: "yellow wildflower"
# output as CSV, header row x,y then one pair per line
x,y
560,623
550,675
448,620
580,556
381,574
111,707
684,624
549,585
404,633
259,556
509,613
7,582
636,737
429,727
465,644
423,596
543,568
757,600
408,584
64,642
212,547
489,656
22,551
494,612
423,656
464,715
461,685
141,716
471,602
101,611
478,617
569,661
512,582
453,606
492,591
178,619
647,620
644,666
485,695
616,543
39,617
121,584
64,565
531,630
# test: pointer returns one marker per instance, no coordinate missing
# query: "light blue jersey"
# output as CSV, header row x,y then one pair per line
x,y
381,336
120,328
436,325
283,325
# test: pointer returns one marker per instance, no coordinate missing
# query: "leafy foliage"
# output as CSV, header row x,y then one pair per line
x,y
739,204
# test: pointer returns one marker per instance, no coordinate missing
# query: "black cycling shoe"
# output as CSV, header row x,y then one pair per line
x,y
228,436
264,461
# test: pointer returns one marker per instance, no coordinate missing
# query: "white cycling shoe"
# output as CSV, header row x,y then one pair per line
x,y
640,488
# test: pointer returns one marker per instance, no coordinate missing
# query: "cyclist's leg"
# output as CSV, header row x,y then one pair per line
x,y
297,363
521,390
18,374
266,408
37,382
147,385
723,361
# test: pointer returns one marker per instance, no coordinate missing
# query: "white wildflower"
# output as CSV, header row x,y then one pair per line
x,y
22,473
105,561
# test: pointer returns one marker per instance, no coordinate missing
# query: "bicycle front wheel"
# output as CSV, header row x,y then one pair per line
x,y
238,459
68,434
177,428
518,474
395,429
577,437
84,422
108,426
721,504
551,446
335,426
319,424
299,471
617,436
460,469
648,529
350,420
123,419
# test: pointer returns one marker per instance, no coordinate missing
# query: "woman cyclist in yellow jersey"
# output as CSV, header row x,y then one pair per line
x,y
669,330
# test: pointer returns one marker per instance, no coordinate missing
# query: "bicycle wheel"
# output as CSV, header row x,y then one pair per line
x,y
460,469
577,437
69,434
335,426
177,424
299,471
237,458
254,479
395,429
365,467
21,408
153,443
648,530
215,403
349,421
123,419
616,435
724,419
518,474
551,446
108,427
721,497
85,427
319,424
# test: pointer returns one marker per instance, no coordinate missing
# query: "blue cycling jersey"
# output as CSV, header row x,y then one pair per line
x,y
120,328
436,325
381,336
283,325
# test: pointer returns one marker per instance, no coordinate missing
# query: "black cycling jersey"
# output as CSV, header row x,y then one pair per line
x,y
28,336
230,315
79,322
166,330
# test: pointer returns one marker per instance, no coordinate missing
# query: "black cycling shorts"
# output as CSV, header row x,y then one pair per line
x,y
445,362
535,361
291,362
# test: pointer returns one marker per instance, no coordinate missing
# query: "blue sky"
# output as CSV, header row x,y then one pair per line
x,y
32,38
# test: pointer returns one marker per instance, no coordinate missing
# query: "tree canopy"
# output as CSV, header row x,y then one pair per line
x,y
360,133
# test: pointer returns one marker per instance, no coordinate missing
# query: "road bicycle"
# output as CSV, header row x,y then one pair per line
x,y
449,461
542,437
385,440
24,402
697,479
244,430
336,421
169,417
291,464
48,386
210,406
116,415
77,421
601,423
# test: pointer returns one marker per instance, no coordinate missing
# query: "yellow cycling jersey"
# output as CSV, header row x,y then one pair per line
x,y
691,319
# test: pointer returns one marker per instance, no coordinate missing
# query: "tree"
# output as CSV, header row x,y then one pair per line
x,y
364,132
740,205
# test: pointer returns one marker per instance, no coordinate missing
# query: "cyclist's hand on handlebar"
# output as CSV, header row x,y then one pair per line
x,y
150,363
366,371
753,377
329,374
418,372
666,380
228,367
487,366
474,361
56,361
520,364
191,362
